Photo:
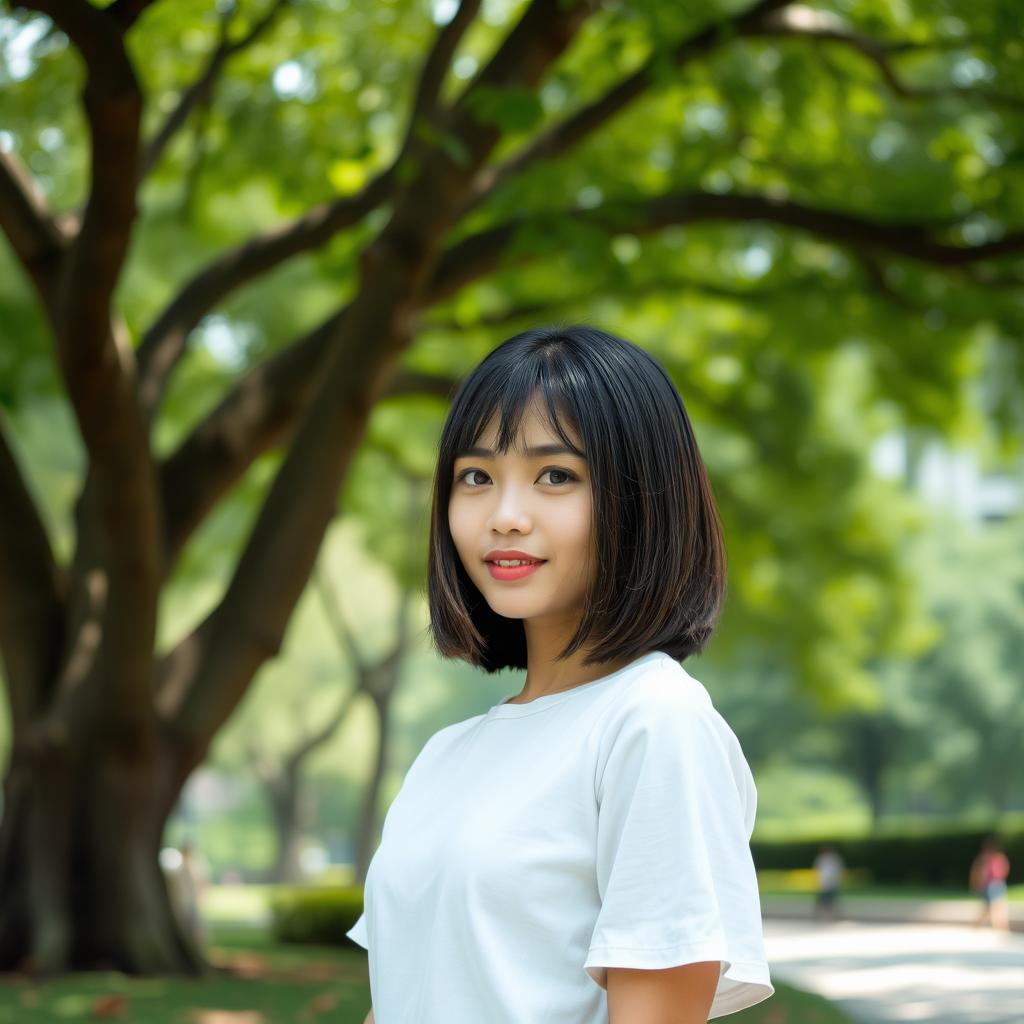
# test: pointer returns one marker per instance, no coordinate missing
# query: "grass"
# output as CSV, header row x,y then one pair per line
x,y
264,983
271,983
791,1006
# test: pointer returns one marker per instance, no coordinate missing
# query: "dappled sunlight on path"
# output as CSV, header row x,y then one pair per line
x,y
904,974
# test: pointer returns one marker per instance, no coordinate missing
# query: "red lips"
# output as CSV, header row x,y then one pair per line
x,y
493,556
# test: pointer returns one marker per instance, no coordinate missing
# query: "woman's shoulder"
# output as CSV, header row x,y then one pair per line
x,y
665,724
663,707
669,707
662,691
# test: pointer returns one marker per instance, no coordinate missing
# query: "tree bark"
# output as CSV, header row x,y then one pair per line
x,y
79,862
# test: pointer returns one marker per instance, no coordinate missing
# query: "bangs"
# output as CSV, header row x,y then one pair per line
x,y
510,395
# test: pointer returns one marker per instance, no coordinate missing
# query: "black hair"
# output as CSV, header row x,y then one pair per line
x,y
657,529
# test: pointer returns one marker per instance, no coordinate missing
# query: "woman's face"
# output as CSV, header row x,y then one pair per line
x,y
537,503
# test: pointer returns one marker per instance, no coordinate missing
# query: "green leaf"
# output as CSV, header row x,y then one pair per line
x,y
513,110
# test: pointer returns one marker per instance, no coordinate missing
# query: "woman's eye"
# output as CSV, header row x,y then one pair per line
x,y
464,477
563,472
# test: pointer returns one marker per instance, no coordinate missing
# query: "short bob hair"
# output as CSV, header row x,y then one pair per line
x,y
658,534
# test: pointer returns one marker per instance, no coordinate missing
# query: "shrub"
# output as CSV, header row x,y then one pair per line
x,y
315,914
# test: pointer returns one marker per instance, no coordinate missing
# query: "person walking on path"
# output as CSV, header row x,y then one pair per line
x,y
828,865
989,872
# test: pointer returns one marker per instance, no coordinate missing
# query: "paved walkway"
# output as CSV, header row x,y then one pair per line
x,y
893,973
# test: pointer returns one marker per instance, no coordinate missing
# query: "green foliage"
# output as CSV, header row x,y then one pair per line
x,y
511,110
966,688
319,915
931,858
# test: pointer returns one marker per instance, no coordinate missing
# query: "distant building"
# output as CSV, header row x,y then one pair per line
x,y
948,477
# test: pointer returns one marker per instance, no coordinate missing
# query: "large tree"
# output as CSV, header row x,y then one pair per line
x,y
561,141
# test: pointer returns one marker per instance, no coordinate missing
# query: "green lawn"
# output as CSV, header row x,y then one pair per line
x,y
790,1006
274,984
263,984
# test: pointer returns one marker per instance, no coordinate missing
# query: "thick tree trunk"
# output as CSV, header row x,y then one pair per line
x,y
81,886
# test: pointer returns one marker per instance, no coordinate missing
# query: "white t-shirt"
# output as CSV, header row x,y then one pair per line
x,y
532,847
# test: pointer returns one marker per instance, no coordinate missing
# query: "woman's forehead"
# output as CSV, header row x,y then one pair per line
x,y
533,431
532,441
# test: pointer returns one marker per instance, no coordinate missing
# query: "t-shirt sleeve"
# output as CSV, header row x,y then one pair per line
x,y
357,933
675,874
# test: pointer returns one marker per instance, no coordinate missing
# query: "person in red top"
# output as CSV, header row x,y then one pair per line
x,y
989,872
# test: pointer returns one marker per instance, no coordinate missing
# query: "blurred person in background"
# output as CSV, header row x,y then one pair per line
x,y
828,866
989,872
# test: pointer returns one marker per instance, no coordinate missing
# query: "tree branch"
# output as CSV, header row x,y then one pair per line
x,y
797,21
656,285
32,596
127,12
37,240
563,136
259,414
192,173
535,42
97,365
435,67
202,88
767,19
479,254
165,341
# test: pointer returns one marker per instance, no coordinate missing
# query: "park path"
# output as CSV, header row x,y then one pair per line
x,y
903,973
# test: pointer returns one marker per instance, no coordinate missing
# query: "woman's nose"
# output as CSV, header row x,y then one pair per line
x,y
510,512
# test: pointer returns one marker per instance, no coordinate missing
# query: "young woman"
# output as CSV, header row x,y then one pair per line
x,y
578,854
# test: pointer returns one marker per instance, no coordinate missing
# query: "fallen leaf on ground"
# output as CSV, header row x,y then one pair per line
x,y
317,970
244,965
108,1006
323,1003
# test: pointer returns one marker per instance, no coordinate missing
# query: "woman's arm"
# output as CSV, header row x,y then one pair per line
x,y
670,995
369,1017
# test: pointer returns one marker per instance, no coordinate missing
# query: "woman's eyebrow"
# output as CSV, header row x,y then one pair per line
x,y
531,453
